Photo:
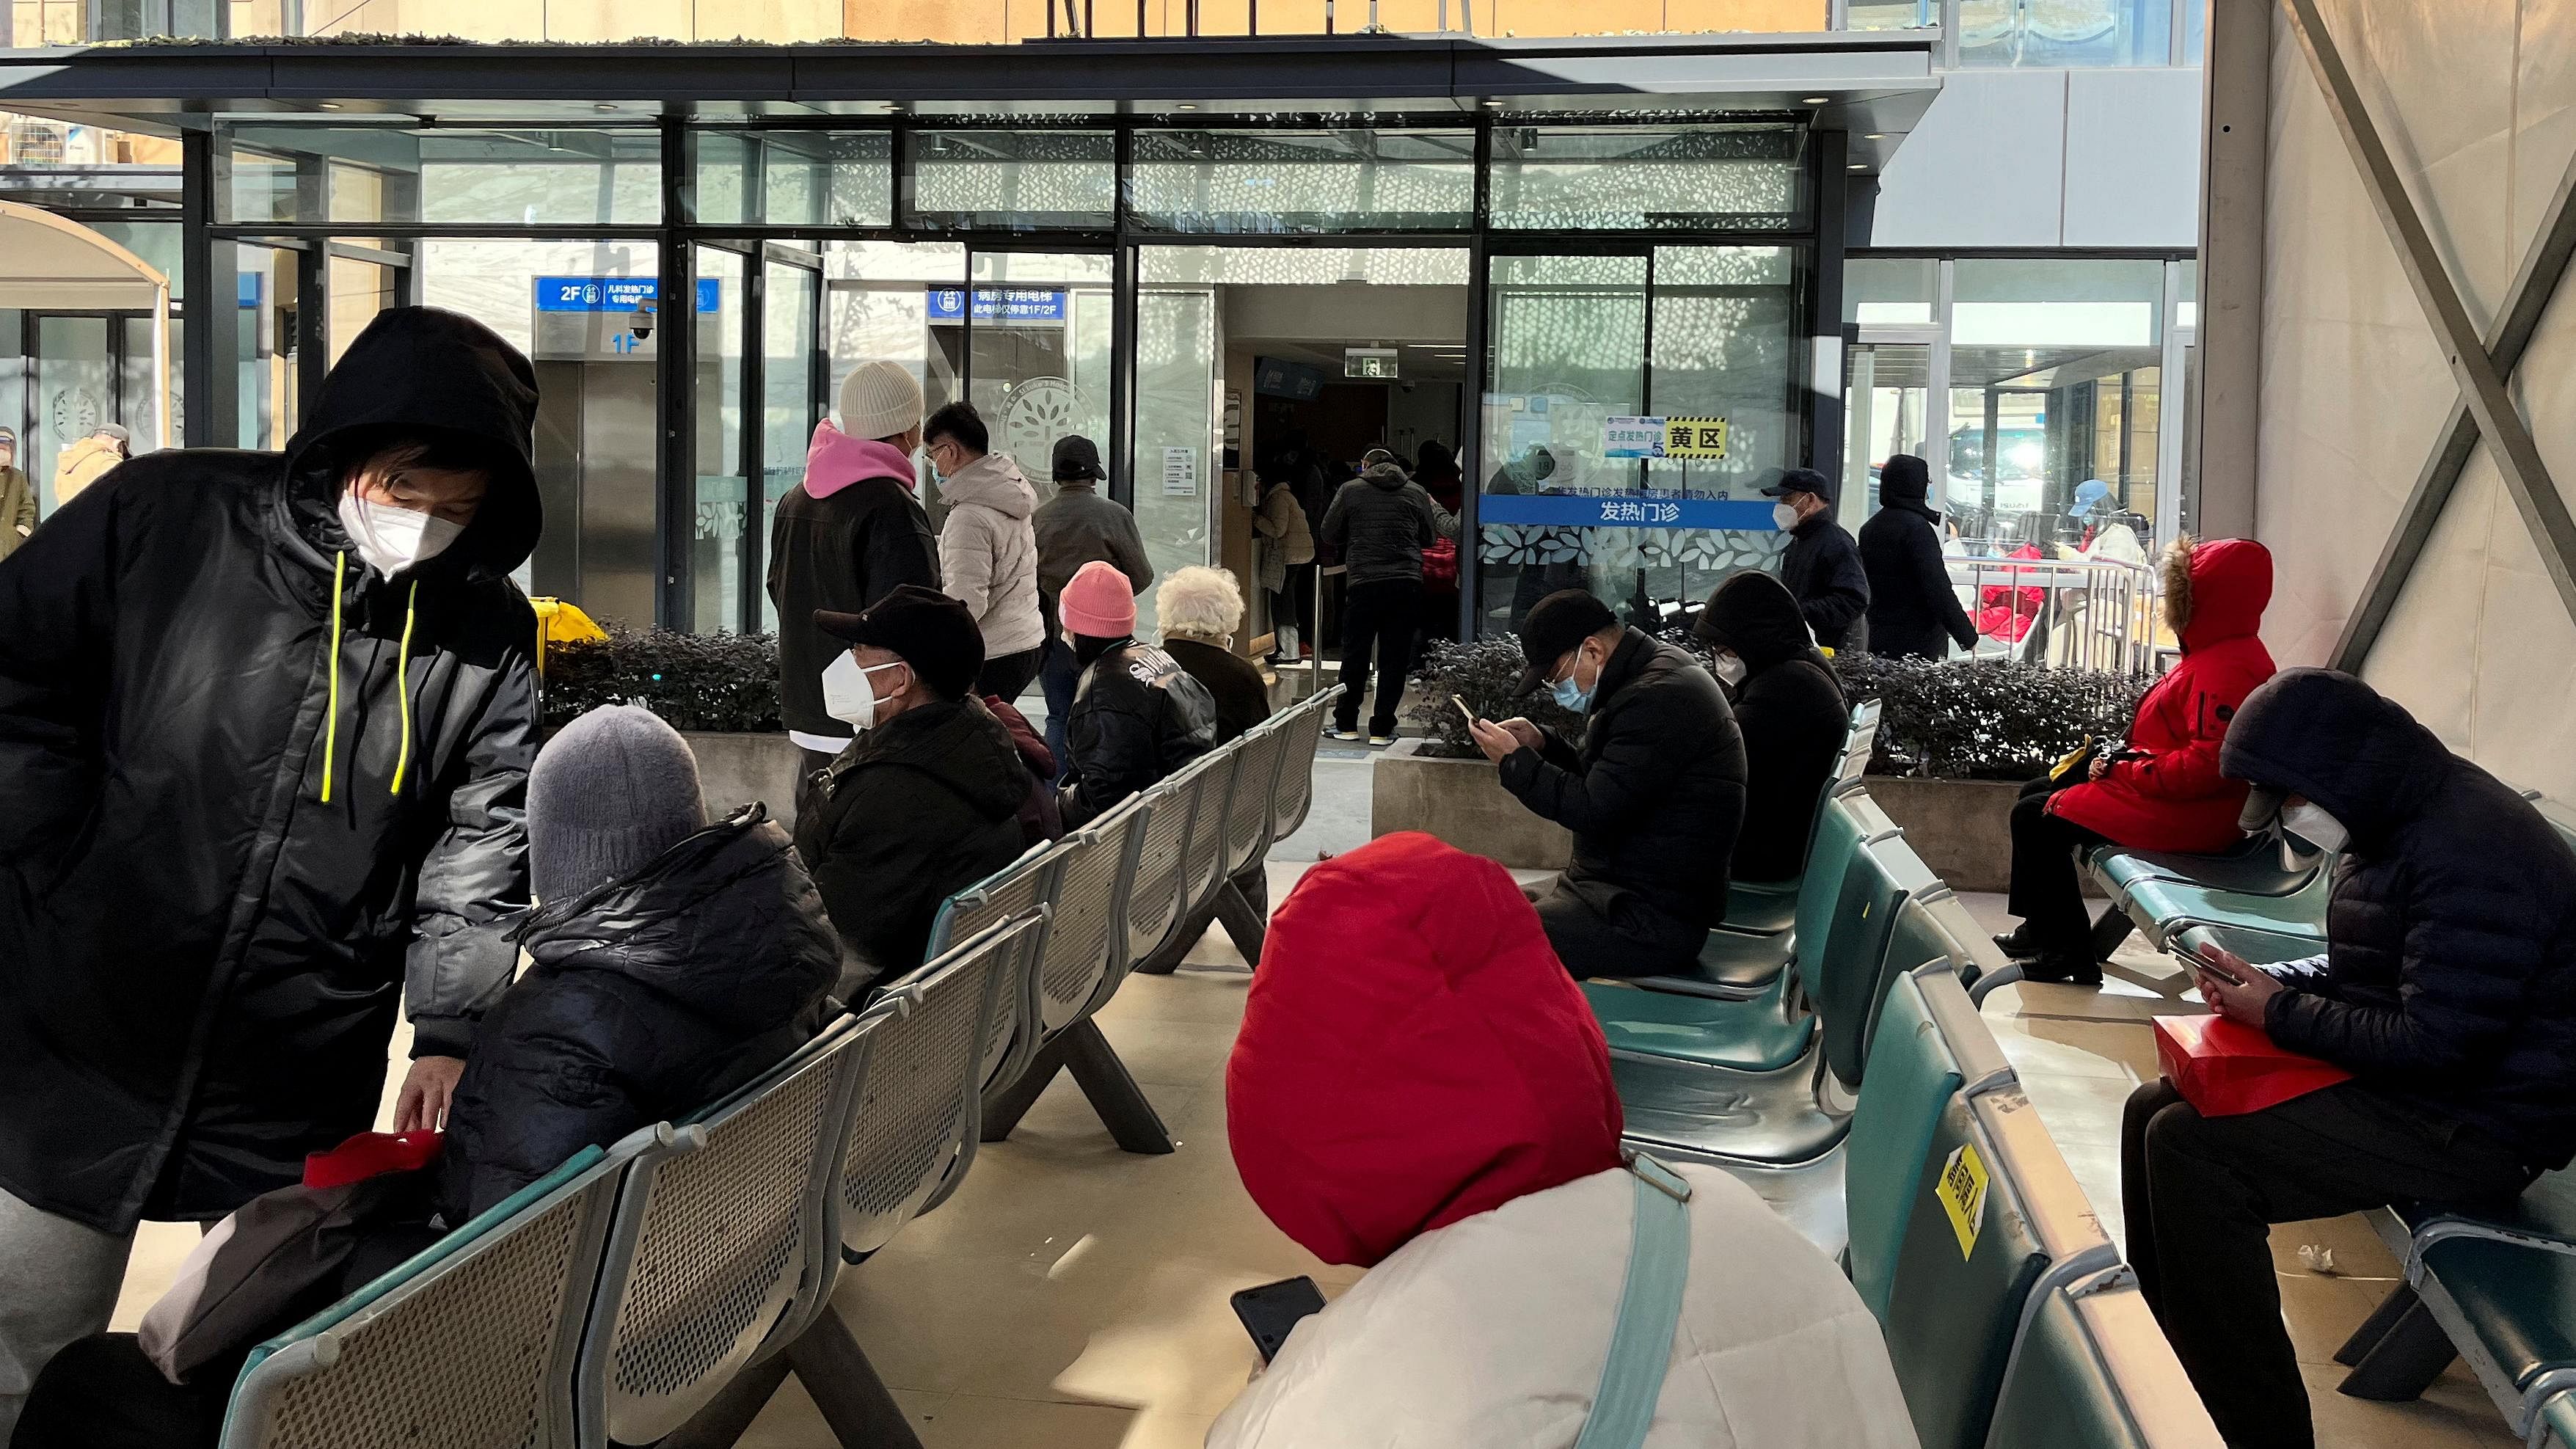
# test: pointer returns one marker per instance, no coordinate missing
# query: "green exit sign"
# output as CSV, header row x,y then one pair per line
x,y
1377,362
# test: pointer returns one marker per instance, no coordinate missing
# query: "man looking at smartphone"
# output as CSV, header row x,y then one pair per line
x,y
2447,988
1654,797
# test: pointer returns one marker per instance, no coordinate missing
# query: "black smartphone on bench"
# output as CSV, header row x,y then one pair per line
x,y
1271,1310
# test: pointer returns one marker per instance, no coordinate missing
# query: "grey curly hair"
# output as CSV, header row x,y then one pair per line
x,y
1200,603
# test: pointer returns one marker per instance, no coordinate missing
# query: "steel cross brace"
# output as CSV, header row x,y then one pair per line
x,y
2478,364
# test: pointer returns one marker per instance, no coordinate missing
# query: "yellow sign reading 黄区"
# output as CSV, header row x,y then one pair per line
x,y
1962,1190
1694,437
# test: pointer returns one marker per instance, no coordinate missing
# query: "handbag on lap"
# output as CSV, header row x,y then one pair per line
x,y
2223,1068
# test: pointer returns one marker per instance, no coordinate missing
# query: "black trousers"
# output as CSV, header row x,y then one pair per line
x,y
1600,930
1294,604
2047,890
1008,676
1378,617
100,1392
2200,1194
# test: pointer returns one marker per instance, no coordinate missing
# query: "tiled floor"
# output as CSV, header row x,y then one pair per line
x,y
1073,1296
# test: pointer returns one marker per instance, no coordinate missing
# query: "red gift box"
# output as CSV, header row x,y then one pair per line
x,y
373,1154
2224,1067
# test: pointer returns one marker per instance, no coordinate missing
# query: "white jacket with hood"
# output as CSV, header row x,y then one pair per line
x,y
988,552
1492,1332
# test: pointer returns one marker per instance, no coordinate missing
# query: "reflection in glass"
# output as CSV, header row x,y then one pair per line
x,y
715,548
1013,180
1886,398
2066,32
1175,463
1040,365
1299,181
1688,178
789,389
795,177
285,172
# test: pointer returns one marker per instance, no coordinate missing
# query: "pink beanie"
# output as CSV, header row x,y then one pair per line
x,y
1097,602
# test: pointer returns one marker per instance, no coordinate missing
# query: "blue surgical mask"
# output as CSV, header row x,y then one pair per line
x,y
1571,695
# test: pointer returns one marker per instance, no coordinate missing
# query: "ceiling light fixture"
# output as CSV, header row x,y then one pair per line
x,y
605,106
330,105
1875,136
1815,100
1860,166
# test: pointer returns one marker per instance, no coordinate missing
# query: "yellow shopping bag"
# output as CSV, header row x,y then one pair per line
x,y
562,623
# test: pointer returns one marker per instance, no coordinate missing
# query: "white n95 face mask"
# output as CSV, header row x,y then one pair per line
x,y
2315,826
1783,517
846,695
392,539
1730,669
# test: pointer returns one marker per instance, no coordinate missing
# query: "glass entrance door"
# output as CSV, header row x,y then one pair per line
x,y
795,395
1636,399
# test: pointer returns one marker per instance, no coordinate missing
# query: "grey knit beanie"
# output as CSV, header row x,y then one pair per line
x,y
611,791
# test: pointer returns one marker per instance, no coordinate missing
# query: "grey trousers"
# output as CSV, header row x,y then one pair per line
x,y
58,1282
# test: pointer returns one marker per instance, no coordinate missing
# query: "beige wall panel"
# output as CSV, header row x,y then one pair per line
x,y
777,21
577,20
2438,77
2526,668
2545,115
957,22
1690,16
2424,655
2353,387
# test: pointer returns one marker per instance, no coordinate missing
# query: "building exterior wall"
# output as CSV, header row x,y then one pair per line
x,y
2476,101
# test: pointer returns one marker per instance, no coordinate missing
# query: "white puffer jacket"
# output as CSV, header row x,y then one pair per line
x,y
988,552
1491,1333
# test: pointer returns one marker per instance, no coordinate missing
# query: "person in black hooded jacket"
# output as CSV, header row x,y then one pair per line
x,y
926,800
1912,607
1138,716
265,726
1654,797
2447,988
1790,710
674,962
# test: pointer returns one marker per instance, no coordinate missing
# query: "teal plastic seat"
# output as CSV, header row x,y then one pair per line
x,y
2163,908
2092,1372
1765,908
1733,964
2252,868
1912,1079
1759,1035
2510,1308
2263,948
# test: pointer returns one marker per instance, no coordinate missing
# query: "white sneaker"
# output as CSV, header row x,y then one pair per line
x,y
1339,733
1381,740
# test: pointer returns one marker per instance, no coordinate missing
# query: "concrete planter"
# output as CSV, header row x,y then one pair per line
x,y
736,769
1464,803
1961,828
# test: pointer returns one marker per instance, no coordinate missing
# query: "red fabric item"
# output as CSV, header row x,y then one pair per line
x,y
2006,611
2175,799
2224,1067
1412,1053
372,1154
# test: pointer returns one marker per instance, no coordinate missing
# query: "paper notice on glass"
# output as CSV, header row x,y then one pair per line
x,y
1632,437
1180,472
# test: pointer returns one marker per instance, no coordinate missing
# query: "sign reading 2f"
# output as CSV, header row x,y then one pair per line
x,y
614,294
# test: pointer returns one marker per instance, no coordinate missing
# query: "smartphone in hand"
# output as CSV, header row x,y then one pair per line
x,y
1270,1311
1461,702
2208,964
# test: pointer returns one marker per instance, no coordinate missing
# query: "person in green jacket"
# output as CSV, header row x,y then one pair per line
x,y
17,497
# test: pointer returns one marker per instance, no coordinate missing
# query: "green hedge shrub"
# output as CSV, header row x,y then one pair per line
x,y
695,681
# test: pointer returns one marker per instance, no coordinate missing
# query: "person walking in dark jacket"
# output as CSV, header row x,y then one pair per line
x,y
1379,525
1655,797
1822,565
2447,988
1075,527
674,962
926,801
846,536
1912,607
265,727
1789,708
1137,716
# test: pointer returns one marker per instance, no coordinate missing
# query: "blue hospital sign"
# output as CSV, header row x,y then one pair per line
x,y
614,294
998,304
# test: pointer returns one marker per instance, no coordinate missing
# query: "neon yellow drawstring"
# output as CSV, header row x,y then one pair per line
x,y
402,680
331,730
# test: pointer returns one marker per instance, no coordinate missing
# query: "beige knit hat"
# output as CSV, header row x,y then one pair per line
x,y
879,399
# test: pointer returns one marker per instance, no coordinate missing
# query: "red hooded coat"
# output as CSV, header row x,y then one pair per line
x,y
2175,799
1412,1054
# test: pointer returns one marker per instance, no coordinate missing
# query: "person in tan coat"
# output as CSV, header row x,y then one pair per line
x,y
89,460
988,549
17,497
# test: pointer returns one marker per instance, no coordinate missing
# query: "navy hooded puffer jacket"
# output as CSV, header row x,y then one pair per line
x,y
2450,972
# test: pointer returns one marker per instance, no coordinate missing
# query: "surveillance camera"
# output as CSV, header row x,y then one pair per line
x,y
641,323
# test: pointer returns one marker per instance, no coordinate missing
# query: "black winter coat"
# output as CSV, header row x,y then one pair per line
x,y
2449,977
200,958
1789,708
914,811
651,997
1137,717
1234,682
1656,796
1822,568
1379,524
843,552
1911,604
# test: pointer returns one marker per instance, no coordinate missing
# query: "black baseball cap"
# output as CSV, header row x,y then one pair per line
x,y
1560,621
1802,480
1076,457
924,628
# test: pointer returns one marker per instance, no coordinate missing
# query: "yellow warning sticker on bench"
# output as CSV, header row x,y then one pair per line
x,y
1962,1190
